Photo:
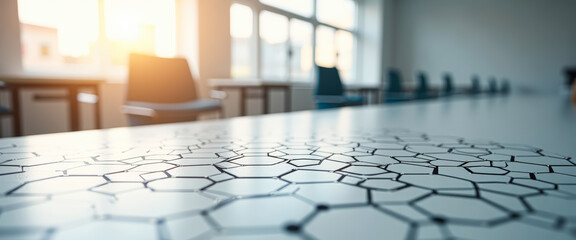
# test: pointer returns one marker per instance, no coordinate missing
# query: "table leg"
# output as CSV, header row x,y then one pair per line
x,y
265,100
287,99
242,101
97,105
73,108
16,113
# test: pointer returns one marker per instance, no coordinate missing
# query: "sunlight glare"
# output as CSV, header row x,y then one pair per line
x,y
240,21
272,26
77,30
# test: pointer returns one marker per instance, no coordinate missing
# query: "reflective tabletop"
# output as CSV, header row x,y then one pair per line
x,y
460,168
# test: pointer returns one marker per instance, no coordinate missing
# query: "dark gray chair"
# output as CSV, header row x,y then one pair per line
x,y
329,90
394,92
162,90
448,88
475,88
423,90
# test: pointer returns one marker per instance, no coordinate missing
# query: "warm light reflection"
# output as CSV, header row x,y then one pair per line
x,y
75,22
130,25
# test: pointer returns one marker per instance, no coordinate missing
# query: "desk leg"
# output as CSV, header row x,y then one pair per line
x,y
16,113
73,108
242,101
366,95
287,99
97,119
265,100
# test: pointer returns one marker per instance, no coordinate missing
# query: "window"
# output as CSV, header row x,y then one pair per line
x,y
241,32
285,41
338,13
300,7
301,63
273,46
50,41
93,36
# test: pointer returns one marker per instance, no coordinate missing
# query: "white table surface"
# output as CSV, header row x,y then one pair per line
x,y
475,168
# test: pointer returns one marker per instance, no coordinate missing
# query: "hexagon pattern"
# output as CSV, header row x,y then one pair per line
x,y
211,184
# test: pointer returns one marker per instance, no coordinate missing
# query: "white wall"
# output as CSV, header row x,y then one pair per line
x,y
527,41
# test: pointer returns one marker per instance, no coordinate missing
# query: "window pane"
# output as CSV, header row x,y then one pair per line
x,y
274,50
241,32
142,26
345,49
300,7
51,41
325,47
301,49
339,13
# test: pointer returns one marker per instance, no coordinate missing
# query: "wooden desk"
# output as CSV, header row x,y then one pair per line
x,y
263,86
15,84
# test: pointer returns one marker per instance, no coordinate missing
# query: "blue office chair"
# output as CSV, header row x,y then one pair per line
x,y
329,91
505,86
475,88
423,90
492,86
448,88
394,92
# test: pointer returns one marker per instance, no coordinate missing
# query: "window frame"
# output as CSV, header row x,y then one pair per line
x,y
257,7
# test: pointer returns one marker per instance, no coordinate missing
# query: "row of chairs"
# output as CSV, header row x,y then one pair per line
x,y
424,91
330,93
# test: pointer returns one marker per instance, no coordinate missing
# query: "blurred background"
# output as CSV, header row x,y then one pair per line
x,y
522,46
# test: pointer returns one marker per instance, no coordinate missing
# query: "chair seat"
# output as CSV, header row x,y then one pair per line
x,y
398,97
163,109
334,101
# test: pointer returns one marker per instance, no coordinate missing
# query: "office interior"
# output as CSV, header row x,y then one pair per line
x,y
528,44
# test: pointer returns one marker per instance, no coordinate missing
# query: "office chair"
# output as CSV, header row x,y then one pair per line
x,y
505,87
394,92
329,91
423,90
162,90
448,88
475,88
492,86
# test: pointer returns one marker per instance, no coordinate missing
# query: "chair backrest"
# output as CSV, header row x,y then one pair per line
x,y
570,73
422,88
505,86
159,80
448,83
475,88
328,82
394,81
492,85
